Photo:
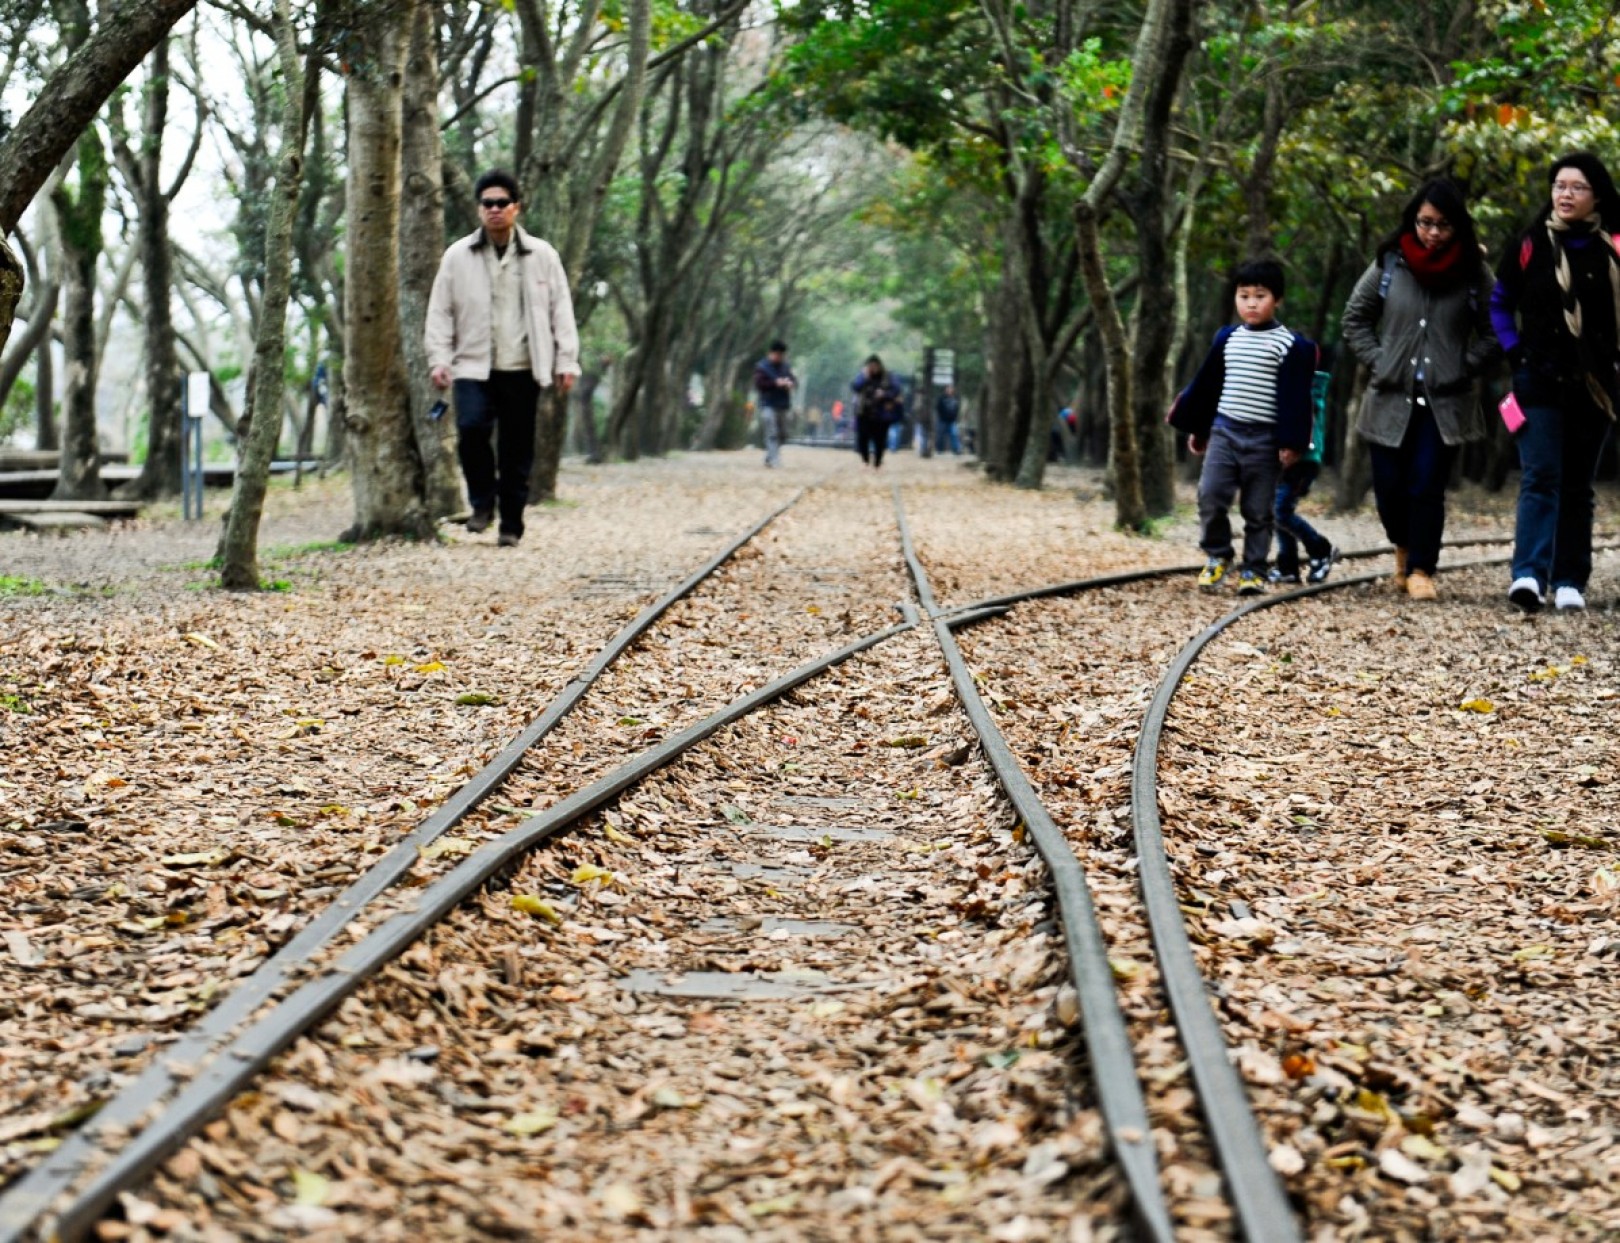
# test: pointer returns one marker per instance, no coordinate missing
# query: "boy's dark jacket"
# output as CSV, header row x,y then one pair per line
x,y
1194,410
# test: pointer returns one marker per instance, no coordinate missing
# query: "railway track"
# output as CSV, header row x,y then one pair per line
x,y
209,1067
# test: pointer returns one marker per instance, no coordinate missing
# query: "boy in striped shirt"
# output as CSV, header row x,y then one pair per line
x,y
1249,410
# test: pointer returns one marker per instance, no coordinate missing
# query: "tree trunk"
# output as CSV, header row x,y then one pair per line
x,y
47,434
421,241
62,110
79,226
1355,462
238,551
1129,511
387,466
160,473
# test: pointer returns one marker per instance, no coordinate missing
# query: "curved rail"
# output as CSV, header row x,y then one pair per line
x,y
1113,1063
1263,1211
30,1196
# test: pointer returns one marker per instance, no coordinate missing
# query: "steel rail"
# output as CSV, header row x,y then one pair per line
x,y
1126,577
29,1196
1108,1043
215,1084
1258,1198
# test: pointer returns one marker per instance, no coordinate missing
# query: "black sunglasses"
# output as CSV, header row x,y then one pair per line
x,y
495,204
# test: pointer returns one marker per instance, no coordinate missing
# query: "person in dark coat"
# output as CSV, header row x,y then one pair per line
x,y
1417,319
946,411
774,381
1556,311
877,404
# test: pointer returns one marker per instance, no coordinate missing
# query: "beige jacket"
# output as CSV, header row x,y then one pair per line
x,y
458,334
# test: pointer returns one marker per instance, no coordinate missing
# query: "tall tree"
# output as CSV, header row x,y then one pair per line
x,y
239,567
62,110
384,456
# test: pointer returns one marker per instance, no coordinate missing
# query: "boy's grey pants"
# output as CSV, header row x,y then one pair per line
x,y
1241,464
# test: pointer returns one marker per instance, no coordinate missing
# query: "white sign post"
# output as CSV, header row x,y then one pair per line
x,y
194,400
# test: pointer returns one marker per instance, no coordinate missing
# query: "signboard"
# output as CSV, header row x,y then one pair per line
x,y
196,394
944,371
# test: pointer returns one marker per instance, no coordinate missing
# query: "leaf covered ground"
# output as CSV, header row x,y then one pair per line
x,y
806,982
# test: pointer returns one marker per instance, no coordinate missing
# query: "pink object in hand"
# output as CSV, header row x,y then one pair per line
x,y
1512,415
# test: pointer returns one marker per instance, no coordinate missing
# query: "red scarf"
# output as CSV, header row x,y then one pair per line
x,y
1434,269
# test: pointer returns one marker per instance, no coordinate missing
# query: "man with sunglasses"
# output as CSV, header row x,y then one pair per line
x,y
500,327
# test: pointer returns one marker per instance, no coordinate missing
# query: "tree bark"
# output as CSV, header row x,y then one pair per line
x,y
239,565
79,226
64,108
383,453
160,473
421,240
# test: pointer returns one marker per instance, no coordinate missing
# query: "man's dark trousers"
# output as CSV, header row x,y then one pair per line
x,y
498,476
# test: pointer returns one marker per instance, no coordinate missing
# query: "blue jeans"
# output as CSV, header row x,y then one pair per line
x,y
945,437
770,429
1240,464
1559,445
1409,485
1293,485
502,406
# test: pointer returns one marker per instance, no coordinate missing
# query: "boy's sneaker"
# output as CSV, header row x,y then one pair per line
x,y
1251,584
1291,579
1526,593
1321,567
1569,599
1213,575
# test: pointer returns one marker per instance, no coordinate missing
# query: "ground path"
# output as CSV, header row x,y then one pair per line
x,y
179,759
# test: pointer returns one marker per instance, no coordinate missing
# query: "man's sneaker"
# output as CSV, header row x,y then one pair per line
x,y
1251,584
1276,576
1213,574
1321,567
480,521
1526,593
1569,599
509,539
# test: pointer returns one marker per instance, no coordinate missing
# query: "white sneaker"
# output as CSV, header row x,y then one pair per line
x,y
1526,593
1569,598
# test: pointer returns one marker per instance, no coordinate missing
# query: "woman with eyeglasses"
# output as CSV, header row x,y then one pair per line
x,y
1556,310
1417,319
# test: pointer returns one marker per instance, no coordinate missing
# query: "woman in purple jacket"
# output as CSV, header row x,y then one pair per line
x,y
1556,311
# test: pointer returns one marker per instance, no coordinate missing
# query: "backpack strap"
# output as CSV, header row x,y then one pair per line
x,y
1388,275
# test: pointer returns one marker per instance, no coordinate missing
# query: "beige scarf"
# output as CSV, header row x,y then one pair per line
x,y
1592,225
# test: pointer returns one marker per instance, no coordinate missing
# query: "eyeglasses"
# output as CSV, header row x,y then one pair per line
x,y
494,204
1426,225
1577,188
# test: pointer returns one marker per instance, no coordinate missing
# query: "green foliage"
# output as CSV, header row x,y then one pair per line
x,y
12,586
18,410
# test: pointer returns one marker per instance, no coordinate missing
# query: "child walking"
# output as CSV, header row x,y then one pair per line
x,y
1249,409
1294,486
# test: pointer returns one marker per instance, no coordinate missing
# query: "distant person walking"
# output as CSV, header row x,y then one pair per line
x,y
1418,320
947,409
500,327
774,381
1556,311
877,404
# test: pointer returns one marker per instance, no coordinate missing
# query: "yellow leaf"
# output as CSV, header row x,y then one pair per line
x,y
536,1123
532,905
1531,952
393,658
585,873
1578,660
448,846
1507,1180
1420,1148
202,858
1482,706
778,1204
669,1098
432,666
310,1187
200,640
613,834
1334,712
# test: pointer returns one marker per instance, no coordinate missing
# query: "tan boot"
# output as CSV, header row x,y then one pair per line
x,y
1420,586
1400,569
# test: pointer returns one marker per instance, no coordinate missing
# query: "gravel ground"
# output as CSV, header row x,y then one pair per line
x,y
204,770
